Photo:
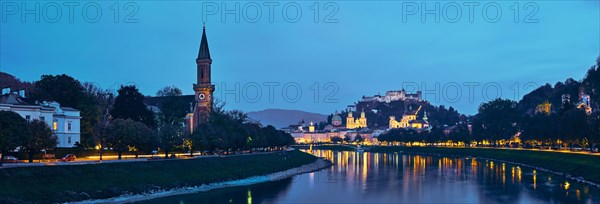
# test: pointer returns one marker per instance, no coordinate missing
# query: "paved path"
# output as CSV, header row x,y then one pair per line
x,y
126,158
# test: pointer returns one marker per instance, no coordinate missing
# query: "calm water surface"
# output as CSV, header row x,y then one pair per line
x,y
400,178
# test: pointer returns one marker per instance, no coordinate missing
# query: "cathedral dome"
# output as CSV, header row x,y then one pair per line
x,y
336,120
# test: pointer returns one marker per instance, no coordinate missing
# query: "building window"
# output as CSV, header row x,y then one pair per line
x,y
69,125
69,140
55,125
27,117
42,118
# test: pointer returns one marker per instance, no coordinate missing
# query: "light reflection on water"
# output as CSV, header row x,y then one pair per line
x,y
401,178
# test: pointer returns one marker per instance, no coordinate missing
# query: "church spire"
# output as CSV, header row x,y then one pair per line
x,y
203,53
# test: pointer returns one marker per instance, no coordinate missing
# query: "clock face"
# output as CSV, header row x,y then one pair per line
x,y
201,96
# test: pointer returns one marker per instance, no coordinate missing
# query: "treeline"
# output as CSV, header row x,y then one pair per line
x,y
563,123
231,131
501,121
122,122
435,135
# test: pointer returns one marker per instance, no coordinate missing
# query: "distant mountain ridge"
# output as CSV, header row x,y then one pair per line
x,y
280,118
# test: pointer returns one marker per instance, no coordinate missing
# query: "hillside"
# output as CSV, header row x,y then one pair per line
x,y
280,118
572,88
378,113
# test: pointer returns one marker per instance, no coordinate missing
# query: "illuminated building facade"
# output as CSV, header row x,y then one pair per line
x,y
63,121
544,108
409,120
584,104
352,123
390,96
311,127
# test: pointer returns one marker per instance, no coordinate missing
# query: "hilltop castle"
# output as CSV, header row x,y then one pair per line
x,y
393,96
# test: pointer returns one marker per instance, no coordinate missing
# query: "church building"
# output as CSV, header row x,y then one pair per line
x,y
352,123
336,120
203,88
409,120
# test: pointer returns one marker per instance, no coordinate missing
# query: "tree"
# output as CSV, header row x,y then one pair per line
x,y
171,118
393,135
232,131
439,116
540,127
358,138
336,139
126,134
496,120
595,133
435,135
203,138
100,133
347,138
285,139
129,104
12,128
170,136
573,126
256,138
271,134
91,106
100,129
169,91
591,83
462,134
38,137
147,139
120,135
172,108
63,89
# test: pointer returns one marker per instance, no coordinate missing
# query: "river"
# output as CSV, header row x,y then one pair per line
x,y
405,178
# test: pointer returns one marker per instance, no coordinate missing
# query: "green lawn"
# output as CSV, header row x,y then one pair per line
x,y
78,182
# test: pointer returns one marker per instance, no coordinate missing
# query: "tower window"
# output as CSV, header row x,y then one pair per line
x,y
55,125
69,126
69,140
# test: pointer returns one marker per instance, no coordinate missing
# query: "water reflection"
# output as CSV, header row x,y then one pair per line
x,y
384,178
259,193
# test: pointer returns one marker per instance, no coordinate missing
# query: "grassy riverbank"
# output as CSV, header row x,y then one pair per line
x,y
94,181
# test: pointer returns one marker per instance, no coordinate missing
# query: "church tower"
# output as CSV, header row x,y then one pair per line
x,y
362,121
203,88
350,120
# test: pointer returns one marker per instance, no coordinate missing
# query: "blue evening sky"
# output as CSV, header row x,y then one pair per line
x,y
355,48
